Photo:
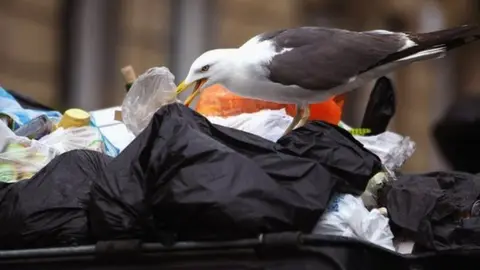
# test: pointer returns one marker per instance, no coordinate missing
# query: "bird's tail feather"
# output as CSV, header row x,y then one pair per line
x,y
447,38
423,55
434,44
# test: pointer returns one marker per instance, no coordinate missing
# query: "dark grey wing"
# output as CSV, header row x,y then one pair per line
x,y
323,58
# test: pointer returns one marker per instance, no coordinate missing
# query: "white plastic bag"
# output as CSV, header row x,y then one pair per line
x,y
392,149
150,91
20,157
268,124
347,216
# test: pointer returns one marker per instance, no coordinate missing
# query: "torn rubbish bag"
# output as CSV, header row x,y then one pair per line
x,y
185,177
50,208
349,163
435,209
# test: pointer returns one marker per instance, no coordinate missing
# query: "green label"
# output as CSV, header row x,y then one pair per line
x,y
360,131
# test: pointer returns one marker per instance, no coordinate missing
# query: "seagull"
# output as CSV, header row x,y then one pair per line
x,y
308,65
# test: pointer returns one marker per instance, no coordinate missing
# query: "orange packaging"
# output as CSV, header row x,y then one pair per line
x,y
219,101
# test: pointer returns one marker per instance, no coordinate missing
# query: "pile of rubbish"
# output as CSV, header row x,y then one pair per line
x,y
158,171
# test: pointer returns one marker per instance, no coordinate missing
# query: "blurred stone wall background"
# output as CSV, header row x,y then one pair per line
x,y
69,52
29,60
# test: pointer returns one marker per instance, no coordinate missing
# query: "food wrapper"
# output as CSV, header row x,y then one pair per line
x,y
21,158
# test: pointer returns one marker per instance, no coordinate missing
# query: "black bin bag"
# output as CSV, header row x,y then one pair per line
x,y
184,177
50,208
348,162
435,209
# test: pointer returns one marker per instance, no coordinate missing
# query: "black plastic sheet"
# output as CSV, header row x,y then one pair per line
x,y
380,107
435,209
185,177
50,208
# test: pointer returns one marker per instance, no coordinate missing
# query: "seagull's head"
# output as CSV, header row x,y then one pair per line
x,y
212,67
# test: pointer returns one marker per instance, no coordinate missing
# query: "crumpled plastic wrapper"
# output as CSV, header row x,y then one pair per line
x,y
64,140
392,148
268,124
378,181
347,216
21,158
150,91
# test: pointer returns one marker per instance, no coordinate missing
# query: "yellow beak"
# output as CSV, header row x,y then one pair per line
x,y
182,87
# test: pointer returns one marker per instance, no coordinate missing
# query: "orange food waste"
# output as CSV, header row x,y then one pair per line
x,y
219,101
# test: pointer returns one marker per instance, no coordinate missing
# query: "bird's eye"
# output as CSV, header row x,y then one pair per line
x,y
205,68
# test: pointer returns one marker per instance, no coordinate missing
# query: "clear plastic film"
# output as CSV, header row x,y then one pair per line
x,y
150,91
393,149
64,140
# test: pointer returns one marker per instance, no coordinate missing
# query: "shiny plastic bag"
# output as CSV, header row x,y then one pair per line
x,y
50,209
347,216
150,91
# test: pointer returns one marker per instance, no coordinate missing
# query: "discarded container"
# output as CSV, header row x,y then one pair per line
x,y
74,118
36,129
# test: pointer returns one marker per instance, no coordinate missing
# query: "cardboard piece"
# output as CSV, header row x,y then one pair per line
x,y
118,116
